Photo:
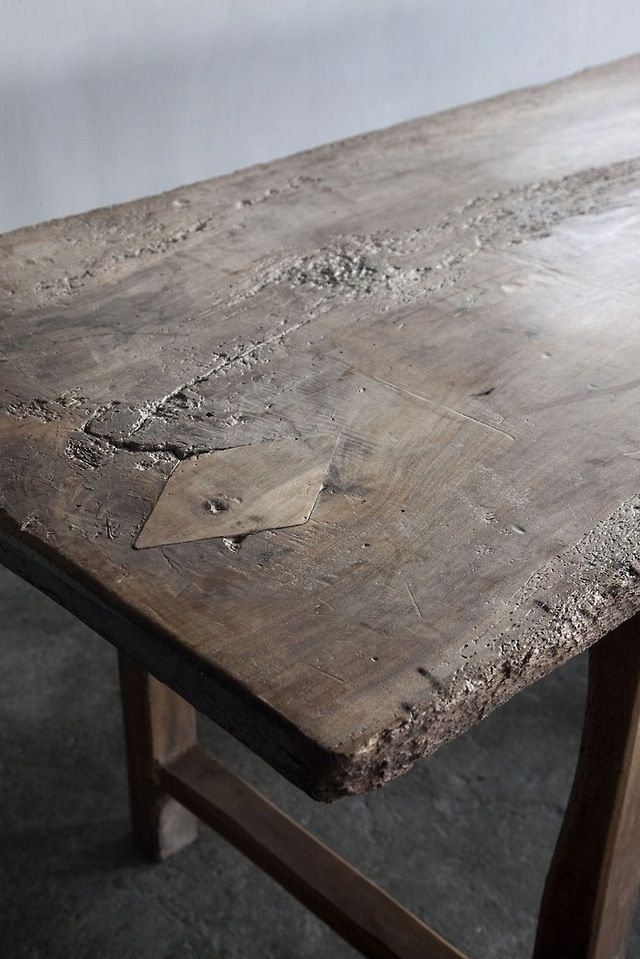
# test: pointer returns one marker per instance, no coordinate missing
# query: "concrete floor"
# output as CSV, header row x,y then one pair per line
x,y
464,839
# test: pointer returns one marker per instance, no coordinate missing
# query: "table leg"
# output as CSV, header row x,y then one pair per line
x,y
172,781
591,888
159,726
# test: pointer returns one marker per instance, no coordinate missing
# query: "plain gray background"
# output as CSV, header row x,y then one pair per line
x,y
103,102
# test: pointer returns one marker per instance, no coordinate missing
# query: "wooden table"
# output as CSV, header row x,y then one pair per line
x,y
343,451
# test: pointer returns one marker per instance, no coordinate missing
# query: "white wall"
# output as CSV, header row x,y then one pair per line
x,y
106,100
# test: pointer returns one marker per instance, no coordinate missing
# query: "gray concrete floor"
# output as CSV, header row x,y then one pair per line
x,y
464,839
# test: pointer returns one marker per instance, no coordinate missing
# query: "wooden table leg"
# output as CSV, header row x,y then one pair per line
x,y
591,889
173,783
159,726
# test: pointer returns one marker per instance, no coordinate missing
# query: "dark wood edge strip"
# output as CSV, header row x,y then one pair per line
x,y
358,910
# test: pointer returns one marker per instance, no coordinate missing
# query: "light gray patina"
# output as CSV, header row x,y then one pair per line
x,y
456,300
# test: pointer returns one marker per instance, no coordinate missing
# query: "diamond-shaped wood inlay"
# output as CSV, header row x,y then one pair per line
x,y
240,490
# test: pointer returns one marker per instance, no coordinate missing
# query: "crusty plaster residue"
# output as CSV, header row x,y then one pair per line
x,y
87,453
98,246
121,424
397,268
405,267
156,240
569,604
47,411
388,268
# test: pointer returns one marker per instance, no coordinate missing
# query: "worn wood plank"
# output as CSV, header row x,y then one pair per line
x,y
456,300
358,910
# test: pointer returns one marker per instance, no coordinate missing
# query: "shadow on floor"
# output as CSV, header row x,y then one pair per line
x,y
464,839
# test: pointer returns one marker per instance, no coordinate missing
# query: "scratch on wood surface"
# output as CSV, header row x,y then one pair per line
x,y
174,566
474,419
436,406
413,601
326,672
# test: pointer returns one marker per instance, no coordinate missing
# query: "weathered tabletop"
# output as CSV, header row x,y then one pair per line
x,y
446,315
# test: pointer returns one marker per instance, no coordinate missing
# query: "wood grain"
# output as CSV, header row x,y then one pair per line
x,y
456,299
